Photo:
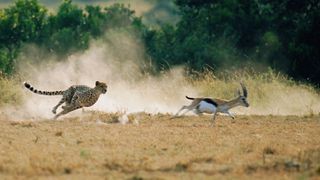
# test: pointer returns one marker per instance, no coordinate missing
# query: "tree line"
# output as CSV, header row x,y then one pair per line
x,y
283,35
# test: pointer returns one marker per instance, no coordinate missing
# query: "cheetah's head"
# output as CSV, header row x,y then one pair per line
x,y
101,86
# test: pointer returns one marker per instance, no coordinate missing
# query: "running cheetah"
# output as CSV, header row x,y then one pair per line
x,y
75,97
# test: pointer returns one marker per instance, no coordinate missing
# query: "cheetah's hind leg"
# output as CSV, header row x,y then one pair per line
x,y
66,109
73,102
54,110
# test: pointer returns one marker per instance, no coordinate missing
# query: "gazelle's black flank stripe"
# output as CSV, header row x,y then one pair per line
x,y
210,101
49,93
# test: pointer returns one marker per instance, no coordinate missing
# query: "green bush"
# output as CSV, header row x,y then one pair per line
x,y
218,34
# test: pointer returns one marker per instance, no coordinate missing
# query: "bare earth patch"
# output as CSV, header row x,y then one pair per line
x,y
96,146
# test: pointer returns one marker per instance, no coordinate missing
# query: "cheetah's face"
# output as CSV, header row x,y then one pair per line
x,y
102,86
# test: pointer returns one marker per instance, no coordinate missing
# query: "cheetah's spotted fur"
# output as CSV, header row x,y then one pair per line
x,y
75,97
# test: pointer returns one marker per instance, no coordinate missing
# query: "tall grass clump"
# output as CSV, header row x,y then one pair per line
x,y
10,91
269,92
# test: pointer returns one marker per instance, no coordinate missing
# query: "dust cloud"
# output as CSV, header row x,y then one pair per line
x,y
117,59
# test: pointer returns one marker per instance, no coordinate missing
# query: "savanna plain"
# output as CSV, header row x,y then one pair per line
x,y
149,67
130,133
96,146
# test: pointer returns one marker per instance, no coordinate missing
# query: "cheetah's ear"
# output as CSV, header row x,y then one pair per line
x,y
97,83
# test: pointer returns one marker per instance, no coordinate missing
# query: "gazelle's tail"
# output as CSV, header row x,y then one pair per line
x,y
189,98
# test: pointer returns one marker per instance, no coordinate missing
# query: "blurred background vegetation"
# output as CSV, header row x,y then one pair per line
x,y
200,34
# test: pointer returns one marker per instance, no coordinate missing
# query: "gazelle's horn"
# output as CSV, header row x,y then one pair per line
x,y
244,89
238,92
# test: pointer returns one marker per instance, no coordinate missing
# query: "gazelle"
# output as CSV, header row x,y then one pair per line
x,y
213,106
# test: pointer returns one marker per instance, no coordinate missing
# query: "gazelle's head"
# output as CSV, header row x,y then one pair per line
x,y
242,98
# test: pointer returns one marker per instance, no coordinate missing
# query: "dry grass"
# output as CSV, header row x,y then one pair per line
x,y
260,84
10,91
269,92
94,146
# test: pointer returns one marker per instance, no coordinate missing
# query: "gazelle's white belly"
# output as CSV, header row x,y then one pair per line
x,y
207,107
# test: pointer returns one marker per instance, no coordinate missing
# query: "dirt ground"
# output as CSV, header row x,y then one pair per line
x,y
95,146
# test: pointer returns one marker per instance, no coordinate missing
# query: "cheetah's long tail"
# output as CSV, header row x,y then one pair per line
x,y
49,93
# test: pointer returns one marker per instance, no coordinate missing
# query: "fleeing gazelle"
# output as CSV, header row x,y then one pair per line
x,y
213,106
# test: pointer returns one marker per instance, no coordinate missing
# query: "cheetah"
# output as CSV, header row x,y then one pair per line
x,y
75,97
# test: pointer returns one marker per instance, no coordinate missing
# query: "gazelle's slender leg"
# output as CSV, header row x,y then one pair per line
x,y
182,108
230,114
188,109
213,119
